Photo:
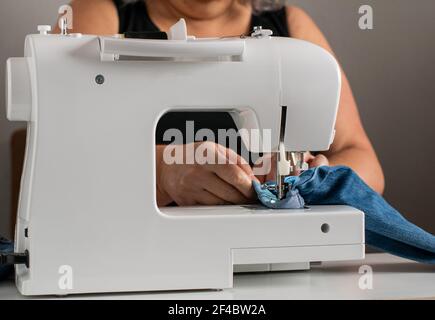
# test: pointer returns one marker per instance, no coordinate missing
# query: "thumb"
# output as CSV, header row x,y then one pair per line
x,y
319,161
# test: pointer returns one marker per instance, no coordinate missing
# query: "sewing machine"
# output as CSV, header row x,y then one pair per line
x,y
88,220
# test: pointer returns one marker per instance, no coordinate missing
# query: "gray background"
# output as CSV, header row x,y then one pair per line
x,y
391,69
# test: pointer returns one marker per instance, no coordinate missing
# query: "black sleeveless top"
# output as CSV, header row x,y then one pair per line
x,y
133,17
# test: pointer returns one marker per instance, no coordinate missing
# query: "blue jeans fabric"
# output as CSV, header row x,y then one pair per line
x,y
268,197
6,246
385,227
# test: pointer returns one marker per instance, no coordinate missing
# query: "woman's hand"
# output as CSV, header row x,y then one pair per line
x,y
224,179
316,161
269,161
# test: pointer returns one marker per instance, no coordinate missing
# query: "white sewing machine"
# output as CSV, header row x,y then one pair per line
x,y
88,219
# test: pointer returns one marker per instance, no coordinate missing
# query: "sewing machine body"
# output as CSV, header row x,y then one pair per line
x,y
87,213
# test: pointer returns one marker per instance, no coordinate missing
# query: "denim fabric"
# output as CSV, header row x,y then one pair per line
x,y
6,246
293,199
385,227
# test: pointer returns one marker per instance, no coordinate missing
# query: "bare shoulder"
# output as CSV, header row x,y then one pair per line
x,y
303,27
95,16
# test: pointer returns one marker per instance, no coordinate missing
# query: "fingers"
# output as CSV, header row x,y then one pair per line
x,y
235,176
190,185
234,158
218,154
233,170
318,161
308,156
225,191
184,202
226,180
208,199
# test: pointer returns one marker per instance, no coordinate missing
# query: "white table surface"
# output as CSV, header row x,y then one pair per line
x,y
393,278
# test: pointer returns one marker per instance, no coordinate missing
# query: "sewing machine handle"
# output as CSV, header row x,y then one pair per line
x,y
206,48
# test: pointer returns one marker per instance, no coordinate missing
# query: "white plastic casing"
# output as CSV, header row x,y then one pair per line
x,y
18,90
88,192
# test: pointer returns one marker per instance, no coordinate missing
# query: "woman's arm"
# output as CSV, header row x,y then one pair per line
x,y
97,17
351,146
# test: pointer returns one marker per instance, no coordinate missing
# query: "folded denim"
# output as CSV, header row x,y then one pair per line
x,y
6,246
385,227
267,196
